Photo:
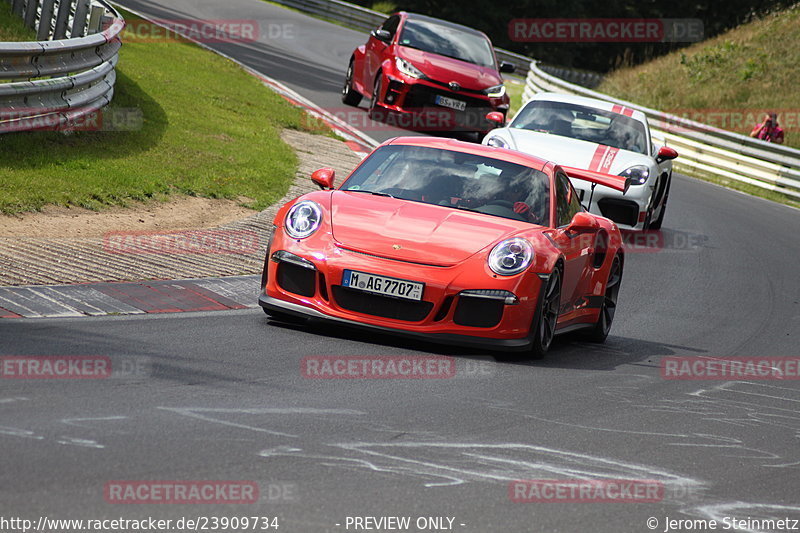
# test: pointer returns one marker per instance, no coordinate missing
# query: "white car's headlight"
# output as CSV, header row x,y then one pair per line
x,y
511,256
637,173
496,92
303,219
407,68
497,142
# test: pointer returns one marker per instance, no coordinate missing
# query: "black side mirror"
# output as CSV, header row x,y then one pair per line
x,y
507,68
382,35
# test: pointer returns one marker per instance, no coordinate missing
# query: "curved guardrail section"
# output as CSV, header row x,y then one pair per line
x,y
54,83
702,147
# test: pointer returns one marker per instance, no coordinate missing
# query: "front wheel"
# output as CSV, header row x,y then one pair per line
x,y
547,316
376,112
349,95
608,307
660,220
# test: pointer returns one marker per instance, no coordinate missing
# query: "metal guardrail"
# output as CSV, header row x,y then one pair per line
x,y
702,147
55,83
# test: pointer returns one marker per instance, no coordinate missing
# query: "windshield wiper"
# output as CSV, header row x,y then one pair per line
x,y
375,193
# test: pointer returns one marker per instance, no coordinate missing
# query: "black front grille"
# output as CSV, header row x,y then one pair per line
x,y
382,306
620,211
420,96
478,312
296,279
422,99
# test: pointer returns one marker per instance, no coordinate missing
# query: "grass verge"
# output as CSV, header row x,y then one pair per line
x,y
12,28
728,81
207,128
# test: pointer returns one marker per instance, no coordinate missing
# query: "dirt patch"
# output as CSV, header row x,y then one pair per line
x,y
180,212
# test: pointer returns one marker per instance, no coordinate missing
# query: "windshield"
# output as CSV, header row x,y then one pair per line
x,y
584,123
455,180
447,41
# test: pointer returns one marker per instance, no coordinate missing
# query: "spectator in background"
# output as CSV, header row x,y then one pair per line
x,y
768,130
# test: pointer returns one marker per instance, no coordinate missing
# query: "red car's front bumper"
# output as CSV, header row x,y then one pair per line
x,y
416,104
308,283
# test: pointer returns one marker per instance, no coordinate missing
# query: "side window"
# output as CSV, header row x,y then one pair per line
x,y
567,201
391,24
574,203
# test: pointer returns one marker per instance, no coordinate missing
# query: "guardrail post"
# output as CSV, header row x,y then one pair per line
x,y
96,19
79,20
43,32
62,19
30,13
18,7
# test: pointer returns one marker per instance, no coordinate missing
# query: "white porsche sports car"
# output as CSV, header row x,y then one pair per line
x,y
581,132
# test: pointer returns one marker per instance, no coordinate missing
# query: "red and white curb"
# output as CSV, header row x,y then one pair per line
x,y
129,298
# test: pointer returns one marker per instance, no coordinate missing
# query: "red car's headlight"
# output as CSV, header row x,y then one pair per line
x,y
303,219
511,257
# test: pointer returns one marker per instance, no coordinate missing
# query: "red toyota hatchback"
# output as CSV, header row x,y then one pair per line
x,y
426,74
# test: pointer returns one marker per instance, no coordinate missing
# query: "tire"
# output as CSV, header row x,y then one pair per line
x,y
375,111
284,317
546,316
349,95
608,308
660,220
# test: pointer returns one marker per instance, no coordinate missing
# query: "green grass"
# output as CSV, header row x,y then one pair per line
x,y
12,29
209,129
514,88
741,73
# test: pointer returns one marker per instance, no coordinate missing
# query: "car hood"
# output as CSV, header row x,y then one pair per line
x,y
446,69
573,152
413,231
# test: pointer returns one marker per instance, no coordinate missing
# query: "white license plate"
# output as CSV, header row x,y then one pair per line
x,y
452,103
399,288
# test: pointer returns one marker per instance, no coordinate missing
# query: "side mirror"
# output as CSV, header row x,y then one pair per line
x,y
665,153
496,117
583,222
507,68
324,177
382,35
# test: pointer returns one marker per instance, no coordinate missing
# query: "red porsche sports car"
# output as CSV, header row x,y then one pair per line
x,y
451,242
428,74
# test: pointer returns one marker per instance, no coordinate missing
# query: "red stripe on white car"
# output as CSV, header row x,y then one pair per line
x,y
622,110
603,158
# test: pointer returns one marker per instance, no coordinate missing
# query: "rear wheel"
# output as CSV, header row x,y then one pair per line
x,y
349,95
609,306
547,316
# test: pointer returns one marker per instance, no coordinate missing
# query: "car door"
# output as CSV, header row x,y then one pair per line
x,y
376,49
577,248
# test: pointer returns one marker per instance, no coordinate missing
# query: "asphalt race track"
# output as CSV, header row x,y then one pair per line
x,y
221,395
